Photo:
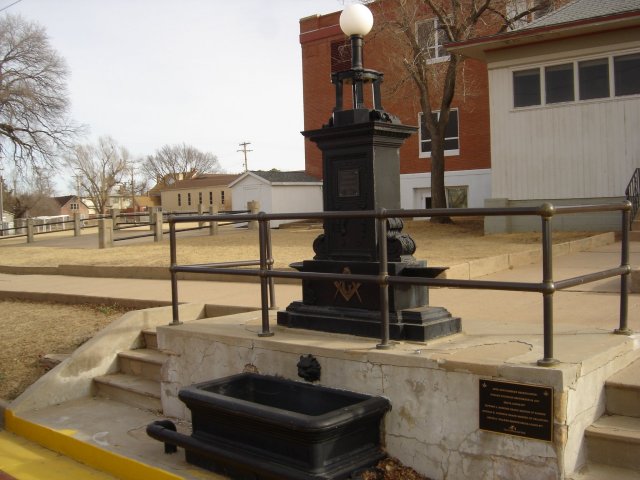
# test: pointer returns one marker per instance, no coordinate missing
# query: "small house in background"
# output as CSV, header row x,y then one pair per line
x,y
203,189
71,204
565,111
279,192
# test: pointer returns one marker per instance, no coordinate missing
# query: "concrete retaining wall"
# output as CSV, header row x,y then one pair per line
x,y
434,391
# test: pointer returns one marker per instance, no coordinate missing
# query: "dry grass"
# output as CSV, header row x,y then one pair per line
x,y
31,330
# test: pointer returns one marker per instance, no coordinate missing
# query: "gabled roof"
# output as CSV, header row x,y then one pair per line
x,y
204,181
64,199
275,177
576,18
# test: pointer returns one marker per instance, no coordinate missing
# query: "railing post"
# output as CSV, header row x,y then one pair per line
x,y
200,212
213,226
624,278
105,233
30,238
381,228
157,226
76,224
254,207
547,211
272,291
115,217
152,218
174,275
262,233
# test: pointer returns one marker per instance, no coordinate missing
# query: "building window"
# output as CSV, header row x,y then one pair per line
x,y
340,56
179,199
451,140
626,70
188,198
74,206
558,83
526,88
521,12
431,38
457,196
200,198
222,197
593,76
210,198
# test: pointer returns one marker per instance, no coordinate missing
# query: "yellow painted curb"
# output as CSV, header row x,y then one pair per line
x,y
64,443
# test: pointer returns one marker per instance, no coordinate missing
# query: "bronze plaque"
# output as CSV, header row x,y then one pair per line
x,y
516,409
348,182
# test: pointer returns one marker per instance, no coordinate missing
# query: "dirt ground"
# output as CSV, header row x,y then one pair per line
x,y
31,330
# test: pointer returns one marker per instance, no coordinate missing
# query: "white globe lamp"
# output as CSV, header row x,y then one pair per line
x,y
356,20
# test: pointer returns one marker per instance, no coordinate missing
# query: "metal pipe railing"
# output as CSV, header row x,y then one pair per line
x,y
547,287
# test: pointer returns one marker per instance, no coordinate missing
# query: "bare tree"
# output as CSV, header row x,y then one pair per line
x,y
33,97
99,169
419,46
35,195
175,162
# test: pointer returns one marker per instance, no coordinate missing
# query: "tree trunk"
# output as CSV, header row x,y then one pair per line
x,y
438,193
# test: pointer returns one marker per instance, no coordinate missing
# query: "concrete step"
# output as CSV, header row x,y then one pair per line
x,y
150,339
623,391
614,440
130,389
597,471
143,362
634,235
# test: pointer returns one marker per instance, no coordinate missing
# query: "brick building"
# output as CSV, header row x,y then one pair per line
x,y
325,50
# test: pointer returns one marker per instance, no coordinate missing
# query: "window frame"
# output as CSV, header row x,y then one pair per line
x,y
577,93
438,43
449,189
447,153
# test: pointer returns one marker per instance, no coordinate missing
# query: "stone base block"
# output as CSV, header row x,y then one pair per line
x,y
417,324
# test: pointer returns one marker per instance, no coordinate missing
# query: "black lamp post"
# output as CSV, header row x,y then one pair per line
x,y
361,171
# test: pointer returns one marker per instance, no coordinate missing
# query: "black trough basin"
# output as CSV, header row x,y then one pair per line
x,y
252,426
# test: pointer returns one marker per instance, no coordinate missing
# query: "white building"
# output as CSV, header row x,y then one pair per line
x,y
279,192
565,110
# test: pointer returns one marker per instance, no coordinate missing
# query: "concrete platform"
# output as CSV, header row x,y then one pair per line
x,y
433,386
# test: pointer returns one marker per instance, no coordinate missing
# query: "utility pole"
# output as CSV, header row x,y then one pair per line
x,y
245,151
133,192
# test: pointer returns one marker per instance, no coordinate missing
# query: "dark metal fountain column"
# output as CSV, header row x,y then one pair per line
x,y
361,171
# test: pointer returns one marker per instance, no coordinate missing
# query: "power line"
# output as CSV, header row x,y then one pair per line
x,y
11,5
245,151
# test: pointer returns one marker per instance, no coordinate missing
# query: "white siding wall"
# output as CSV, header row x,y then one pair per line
x,y
296,199
277,198
576,150
250,188
415,186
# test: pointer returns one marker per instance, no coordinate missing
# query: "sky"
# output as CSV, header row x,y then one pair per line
x,y
209,73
